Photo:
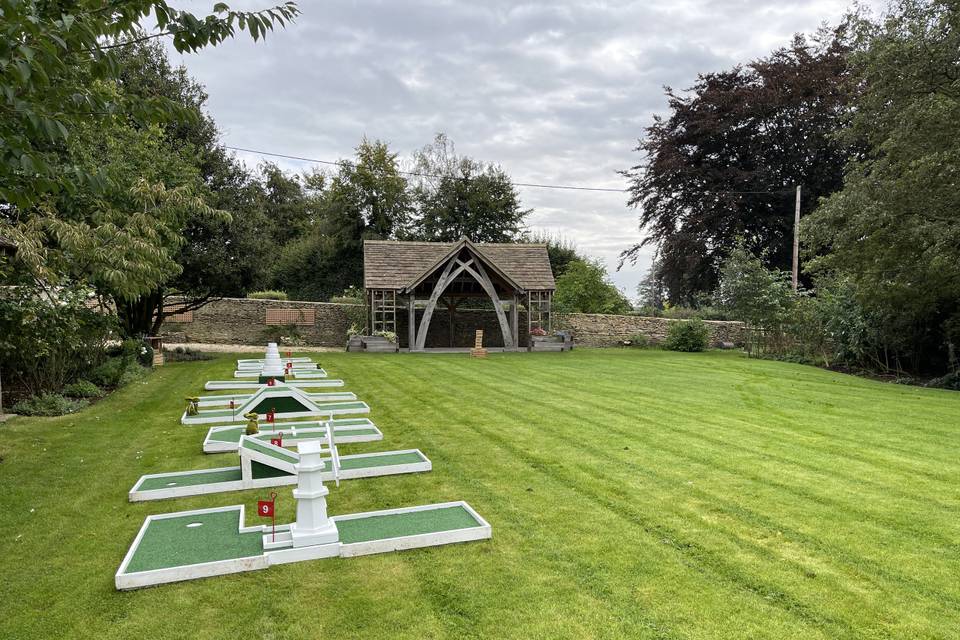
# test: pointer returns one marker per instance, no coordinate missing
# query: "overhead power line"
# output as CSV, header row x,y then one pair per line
x,y
534,185
424,175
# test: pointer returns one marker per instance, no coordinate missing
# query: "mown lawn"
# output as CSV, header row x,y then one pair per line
x,y
633,494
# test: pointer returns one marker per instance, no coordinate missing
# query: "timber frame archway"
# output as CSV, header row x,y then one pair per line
x,y
423,275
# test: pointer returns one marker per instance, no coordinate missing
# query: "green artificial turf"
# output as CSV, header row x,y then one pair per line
x,y
279,405
260,471
386,459
191,478
632,494
405,524
169,542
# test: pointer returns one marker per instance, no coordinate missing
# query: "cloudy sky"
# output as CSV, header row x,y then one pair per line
x,y
556,92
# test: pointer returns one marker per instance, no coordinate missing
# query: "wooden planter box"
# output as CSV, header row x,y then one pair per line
x,y
558,342
355,343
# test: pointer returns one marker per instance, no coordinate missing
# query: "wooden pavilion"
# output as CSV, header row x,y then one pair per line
x,y
410,276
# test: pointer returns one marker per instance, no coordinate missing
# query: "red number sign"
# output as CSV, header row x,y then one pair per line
x,y
278,441
270,415
271,382
265,508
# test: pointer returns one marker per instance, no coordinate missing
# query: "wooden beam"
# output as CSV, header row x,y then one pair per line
x,y
432,304
411,320
514,318
484,280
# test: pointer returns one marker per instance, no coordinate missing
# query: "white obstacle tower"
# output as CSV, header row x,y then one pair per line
x,y
312,526
272,365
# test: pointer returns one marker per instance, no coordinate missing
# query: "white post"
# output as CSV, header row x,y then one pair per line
x,y
312,526
796,240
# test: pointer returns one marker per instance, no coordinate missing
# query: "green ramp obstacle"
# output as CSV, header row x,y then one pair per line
x,y
224,400
263,464
226,439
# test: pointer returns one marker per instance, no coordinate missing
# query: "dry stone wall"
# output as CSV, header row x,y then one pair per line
x,y
243,321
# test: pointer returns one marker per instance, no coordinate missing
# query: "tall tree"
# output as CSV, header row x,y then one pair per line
x,y
585,287
460,197
893,231
90,186
725,163
60,70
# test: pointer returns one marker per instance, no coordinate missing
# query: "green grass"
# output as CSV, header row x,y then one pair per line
x,y
632,494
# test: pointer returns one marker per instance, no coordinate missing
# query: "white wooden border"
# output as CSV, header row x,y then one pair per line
x,y
230,385
298,373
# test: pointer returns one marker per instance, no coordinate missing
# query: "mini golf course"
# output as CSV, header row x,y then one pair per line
x,y
262,465
278,400
239,399
211,542
226,439
238,385
218,541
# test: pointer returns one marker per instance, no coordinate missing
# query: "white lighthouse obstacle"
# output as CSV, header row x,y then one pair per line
x,y
209,542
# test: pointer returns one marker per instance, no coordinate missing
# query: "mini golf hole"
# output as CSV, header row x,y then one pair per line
x,y
194,525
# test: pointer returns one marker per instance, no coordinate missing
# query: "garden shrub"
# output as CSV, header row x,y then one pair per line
x,y
108,373
638,341
268,295
687,335
48,404
50,338
185,354
145,354
949,381
82,389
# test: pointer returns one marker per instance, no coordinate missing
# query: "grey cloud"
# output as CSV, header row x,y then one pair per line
x,y
555,92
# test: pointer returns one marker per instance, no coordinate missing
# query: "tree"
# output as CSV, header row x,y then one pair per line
x,y
893,231
560,251
585,287
59,73
97,187
725,162
460,197
762,298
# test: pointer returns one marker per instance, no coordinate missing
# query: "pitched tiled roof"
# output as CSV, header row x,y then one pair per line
x,y
390,264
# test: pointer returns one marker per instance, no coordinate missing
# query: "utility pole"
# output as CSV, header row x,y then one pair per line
x,y
796,240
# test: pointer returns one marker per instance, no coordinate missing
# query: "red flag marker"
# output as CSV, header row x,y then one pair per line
x,y
271,382
271,416
265,509
278,441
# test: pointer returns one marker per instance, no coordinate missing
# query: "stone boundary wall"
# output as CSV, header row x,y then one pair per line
x,y
600,330
242,321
